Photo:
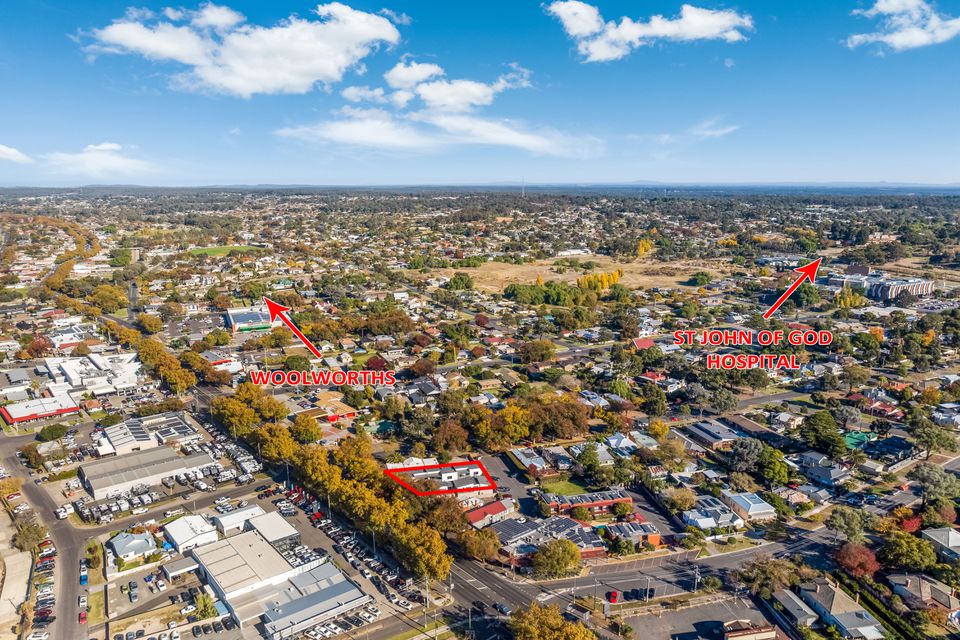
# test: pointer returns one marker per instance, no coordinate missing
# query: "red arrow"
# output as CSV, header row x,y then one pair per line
x,y
277,310
806,271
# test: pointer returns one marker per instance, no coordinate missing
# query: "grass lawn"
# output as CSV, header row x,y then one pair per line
x,y
95,606
221,251
563,487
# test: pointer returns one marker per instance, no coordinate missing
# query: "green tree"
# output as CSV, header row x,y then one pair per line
x,y
537,351
850,522
932,439
935,482
296,363
480,545
204,604
904,551
556,559
28,535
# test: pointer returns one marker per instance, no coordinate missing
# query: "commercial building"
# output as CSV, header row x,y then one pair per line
x,y
520,540
125,437
108,477
259,587
237,519
96,374
597,502
881,287
749,506
189,532
130,546
250,319
58,404
275,529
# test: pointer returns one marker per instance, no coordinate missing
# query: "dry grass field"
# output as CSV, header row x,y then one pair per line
x,y
493,277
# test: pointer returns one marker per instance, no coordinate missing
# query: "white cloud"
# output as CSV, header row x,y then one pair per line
x,y
397,17
226,55
375,128
906,24
216,17
712,128
106,160
14,155
599,41
463,95
401,98
432,131
407,75
579,19
172,13
729,63
363,94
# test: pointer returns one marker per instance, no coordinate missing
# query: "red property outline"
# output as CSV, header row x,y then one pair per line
x,y
393,474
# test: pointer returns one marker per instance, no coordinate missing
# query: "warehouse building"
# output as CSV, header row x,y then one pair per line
x,y
189,532
108,477
275,529
259,587
237,519
58,404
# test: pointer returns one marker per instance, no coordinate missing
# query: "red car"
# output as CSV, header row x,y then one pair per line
x,y
14,496
613,596
83,617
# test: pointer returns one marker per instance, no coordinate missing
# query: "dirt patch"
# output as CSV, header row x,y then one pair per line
x,y
494,277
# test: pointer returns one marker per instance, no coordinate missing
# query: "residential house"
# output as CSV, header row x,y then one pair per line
x,y
945,540
530,461
839,610
132,546
920,592
710,513
749,506
820,469
489,514
603,453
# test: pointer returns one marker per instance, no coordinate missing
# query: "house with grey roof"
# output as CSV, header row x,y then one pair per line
x,y
839,610
920,591
945,540
130,546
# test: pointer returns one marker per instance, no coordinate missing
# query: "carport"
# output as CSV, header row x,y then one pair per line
x,y
179,567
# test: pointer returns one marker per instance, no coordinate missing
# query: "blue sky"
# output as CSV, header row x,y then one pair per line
x,y
420,92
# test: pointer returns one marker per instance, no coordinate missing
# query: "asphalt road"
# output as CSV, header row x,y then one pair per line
x,y
69,545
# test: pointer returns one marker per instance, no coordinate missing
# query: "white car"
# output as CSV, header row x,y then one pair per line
x,y
82,602
188,609
221,500
174,635
373,610
38,635
405,605
161,585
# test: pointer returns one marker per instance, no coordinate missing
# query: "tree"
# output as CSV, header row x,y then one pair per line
x,y
450,436
306,429
765,575
858,560
935,482
546,623
580,513
276,443
537,351
480,545
741,481
848,521
904,551
556,559
723,400
622,509
933,439
658,430
820,431
52,432
855,375
149,324
745,454
296,362
32,456
680,499
28,535
204,604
